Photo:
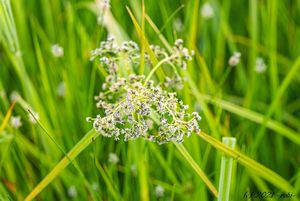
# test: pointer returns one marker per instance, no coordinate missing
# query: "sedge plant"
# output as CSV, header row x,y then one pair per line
x,y
146,95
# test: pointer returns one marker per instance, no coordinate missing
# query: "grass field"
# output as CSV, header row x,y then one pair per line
x,y
243,80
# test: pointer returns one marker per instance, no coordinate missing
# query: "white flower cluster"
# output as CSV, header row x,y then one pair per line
x,y
129,105
260,66
135,107
16,122
159,191
110,53
113,158
207,11
57,50
234,60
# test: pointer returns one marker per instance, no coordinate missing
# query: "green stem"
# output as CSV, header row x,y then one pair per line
x,y
157,66
226,170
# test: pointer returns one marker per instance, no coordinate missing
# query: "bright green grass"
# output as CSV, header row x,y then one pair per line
x,y
260,110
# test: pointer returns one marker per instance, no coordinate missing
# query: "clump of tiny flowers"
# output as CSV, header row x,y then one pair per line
x,y
260,66
134,106
16,122
138,103
57,50
234,60
72,191
159,191
207,11
110,53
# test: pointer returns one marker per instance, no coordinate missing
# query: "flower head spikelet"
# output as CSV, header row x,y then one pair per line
x,y
72,191
207,11
260,66
134,106
178,25
113,158
57,50
110,53
159,191
16,122
61,89
14,96
234,59
95,186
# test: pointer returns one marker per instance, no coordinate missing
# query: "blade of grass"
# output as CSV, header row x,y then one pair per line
x,y
226,170
276,101
208,114
260,48
196,167
108,181
7,116
163,163
63,151
256,167
171,17
142,67
252,54
248,114
77,149
153,59
143,177
159,34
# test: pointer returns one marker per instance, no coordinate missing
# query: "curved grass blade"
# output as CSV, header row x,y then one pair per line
x,y
256,167
238,110
197,169
75,151
7,116
248,114
159,72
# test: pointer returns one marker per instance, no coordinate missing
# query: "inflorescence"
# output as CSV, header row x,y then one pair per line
x,y
134,106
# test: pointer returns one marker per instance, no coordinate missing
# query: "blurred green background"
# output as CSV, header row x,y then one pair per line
x,y
256,101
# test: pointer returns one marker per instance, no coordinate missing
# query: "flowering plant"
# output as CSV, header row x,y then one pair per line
x,y
135,106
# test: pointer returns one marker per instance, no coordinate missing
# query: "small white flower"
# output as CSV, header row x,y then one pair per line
x,y
95,186
207,11
260,66
57,50
14,96
113,158
102,4
61,89
234,59
16,122
159,191
133,169
149,123
33,118
72,192
177,25
106,4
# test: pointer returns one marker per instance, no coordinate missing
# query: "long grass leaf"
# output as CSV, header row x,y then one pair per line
x,y
7,116
76,150
196,167
256,167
